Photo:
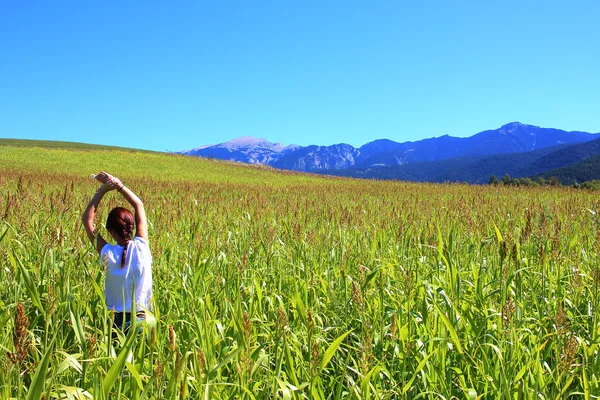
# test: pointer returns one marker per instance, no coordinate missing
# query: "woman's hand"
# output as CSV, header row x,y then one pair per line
x,y
108,181
103,177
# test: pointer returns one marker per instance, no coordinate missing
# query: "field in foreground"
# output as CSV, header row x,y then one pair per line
x,y
271,284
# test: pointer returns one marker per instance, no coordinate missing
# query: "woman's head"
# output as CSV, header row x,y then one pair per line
x,y
120,225
120,222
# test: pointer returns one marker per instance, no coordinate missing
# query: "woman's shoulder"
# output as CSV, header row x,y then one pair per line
x,y
107,247
110,252
140,239
141,243
142,248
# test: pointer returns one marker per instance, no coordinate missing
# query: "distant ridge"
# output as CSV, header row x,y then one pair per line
x,y
544,162
383,158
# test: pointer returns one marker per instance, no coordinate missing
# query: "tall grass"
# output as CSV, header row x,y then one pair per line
x,y
271,284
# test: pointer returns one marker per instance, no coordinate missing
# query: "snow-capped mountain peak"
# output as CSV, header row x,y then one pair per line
x,y
246,149
246,141
516,127
249,142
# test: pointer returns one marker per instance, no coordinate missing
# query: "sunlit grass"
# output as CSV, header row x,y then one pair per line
x,y
295,286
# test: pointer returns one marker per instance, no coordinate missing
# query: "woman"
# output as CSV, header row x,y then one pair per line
x,y
128,263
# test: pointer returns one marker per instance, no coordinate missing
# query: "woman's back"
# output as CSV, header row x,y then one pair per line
x,y
135,274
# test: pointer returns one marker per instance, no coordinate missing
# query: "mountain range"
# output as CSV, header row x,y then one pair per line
x,y
515,148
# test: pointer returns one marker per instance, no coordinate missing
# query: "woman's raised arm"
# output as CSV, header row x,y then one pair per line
x,y
88,218
141,224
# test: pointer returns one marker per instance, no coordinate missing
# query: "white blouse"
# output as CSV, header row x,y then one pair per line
x,y
133,280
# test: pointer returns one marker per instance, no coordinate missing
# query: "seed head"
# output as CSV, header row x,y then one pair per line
x,y
393,327
247,326
91,344
508,310
315,355
575,278
366,352
20,339
310,321
282,321
178,360
357,296
362,271
182,389
569,352
159,373
152,338
561,321
171,339
201,360
51,301
527,229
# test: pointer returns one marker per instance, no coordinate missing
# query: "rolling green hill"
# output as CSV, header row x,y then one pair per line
x,y
68,158
52,144
80,160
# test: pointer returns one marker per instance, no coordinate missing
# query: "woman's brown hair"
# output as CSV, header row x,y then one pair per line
x,y
120,220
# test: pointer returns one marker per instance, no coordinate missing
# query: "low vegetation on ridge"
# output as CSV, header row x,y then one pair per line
x,y
274,284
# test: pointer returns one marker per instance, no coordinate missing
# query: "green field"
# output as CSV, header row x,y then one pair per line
x,y
271,284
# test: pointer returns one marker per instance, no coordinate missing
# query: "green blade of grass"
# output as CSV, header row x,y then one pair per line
x,y
3,234
331,350
116,369
77,328
39,378
419,368
450,328
224,362
29,285
365,385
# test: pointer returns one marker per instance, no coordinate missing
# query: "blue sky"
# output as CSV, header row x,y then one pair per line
x,y
177,75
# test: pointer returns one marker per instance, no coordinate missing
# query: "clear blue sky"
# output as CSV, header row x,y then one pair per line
x,y
179,74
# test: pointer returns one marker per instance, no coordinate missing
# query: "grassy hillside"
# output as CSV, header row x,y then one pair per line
x,y
79,161
276,284
49,144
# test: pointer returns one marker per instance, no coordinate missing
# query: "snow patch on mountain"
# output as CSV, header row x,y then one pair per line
x,y
246,149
